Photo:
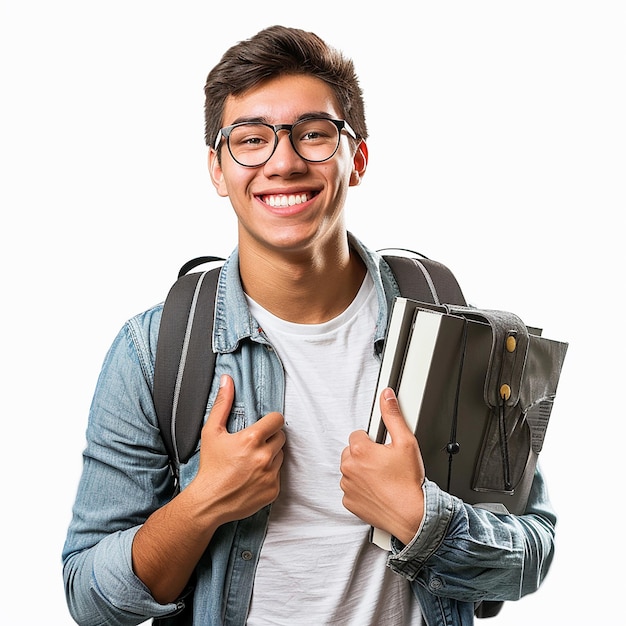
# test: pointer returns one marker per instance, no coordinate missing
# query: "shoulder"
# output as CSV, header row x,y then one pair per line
x,y
143,331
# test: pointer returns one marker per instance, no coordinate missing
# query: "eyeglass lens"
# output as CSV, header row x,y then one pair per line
x,y
252,144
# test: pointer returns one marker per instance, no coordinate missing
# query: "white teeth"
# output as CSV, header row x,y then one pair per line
x,y
282,200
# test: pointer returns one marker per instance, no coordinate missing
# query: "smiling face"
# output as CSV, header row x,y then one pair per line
x,y
287,205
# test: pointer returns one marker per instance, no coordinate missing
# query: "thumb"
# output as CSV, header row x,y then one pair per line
x,y
218,417
392,416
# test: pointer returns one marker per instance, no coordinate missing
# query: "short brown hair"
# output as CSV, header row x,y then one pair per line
x,y
277,51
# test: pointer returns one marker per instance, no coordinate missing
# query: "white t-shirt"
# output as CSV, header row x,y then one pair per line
x,y
317,566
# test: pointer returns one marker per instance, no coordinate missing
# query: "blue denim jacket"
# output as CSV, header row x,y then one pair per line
x,y
459,556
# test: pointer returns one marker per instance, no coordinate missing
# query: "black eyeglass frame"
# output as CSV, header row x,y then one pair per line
x,y
340,124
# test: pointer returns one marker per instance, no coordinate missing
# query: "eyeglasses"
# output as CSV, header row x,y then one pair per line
x,y
314,139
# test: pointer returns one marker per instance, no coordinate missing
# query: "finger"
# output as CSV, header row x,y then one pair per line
x,y
270,425
218,417
392,415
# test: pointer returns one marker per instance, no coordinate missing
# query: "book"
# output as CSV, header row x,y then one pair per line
x,y
437,362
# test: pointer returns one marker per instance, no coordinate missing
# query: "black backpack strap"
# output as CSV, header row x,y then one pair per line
x,y
425,280
185,361
200,260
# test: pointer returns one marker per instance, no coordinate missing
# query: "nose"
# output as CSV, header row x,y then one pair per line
x,y
285,161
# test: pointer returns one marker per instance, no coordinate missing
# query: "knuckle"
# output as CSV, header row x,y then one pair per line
x,y
358,447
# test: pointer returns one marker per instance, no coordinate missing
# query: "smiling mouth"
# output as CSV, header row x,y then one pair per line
x,y
284,200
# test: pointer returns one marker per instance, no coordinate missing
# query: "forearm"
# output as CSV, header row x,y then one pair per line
x,y
475,555
170,543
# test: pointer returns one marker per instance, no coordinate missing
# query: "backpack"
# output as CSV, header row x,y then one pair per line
x,y
185,360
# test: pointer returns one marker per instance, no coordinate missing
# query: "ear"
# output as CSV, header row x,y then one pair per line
x,y
359,164
216,173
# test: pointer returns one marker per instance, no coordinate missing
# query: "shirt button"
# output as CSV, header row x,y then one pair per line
x,y
246,555
435,584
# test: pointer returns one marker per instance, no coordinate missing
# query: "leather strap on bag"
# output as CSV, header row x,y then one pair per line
x,y
510,341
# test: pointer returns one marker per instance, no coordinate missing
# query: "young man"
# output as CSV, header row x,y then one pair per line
x,y
272,522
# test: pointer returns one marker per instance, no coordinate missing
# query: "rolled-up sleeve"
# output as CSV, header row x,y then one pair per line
x,y
470,554
125,478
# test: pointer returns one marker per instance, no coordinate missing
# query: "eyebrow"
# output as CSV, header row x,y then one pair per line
x,y
265,120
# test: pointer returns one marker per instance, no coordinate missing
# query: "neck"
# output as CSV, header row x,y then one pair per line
x,y
303,288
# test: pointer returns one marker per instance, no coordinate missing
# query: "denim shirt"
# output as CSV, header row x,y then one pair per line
x,y
459,556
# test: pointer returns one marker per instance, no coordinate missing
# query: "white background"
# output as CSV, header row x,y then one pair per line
x,y
497,146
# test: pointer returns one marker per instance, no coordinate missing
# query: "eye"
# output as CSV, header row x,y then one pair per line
x,y
251,136
252,140
316,130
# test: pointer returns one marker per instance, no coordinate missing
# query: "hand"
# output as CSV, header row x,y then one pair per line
x,y
239,473
382,483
